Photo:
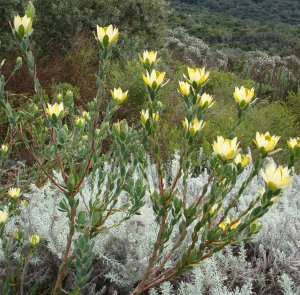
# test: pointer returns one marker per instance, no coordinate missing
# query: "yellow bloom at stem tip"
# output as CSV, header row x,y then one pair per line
x,y
22,25
34,239
293,143
145,116
55,109
266,141
243,95
243,160
149,57
3,216
276,178
184,88
4,148
14,192
205,101
197,75
111,33
226,148
118,95
154,79
193,126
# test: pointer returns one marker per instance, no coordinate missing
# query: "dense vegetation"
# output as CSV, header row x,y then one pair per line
x,y
272,26
251,43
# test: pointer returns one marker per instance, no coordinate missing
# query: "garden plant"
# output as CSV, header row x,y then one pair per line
x,y
189,229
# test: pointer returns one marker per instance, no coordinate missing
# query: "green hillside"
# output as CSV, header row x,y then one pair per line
x,y
272,26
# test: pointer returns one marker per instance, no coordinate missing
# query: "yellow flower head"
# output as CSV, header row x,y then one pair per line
x,y
226,148
3,216
34,239
197,75
4,148
149,57
205,101
293,143
154,79
22,25
243,95
118,95
107,35
14,192
184,88
266,141
145,116
193,126
242,159
276,178
55,109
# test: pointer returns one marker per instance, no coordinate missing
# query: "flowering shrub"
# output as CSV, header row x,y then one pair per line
x,y
191,226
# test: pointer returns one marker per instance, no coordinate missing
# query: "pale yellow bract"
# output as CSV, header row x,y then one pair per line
x,y
205,100
197,75
149,57
293,142
3,216
145,116
266,141
111,32
226,148
14,192
276,178
56,109
242,159
155,77
243,95
118,95
193,126
34,239
24,21
184,88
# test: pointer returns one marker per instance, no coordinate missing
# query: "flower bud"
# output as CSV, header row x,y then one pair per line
x,y
86,115
294,143
3,216
184,88
34,239
19,63
4,148
22,25
80,122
